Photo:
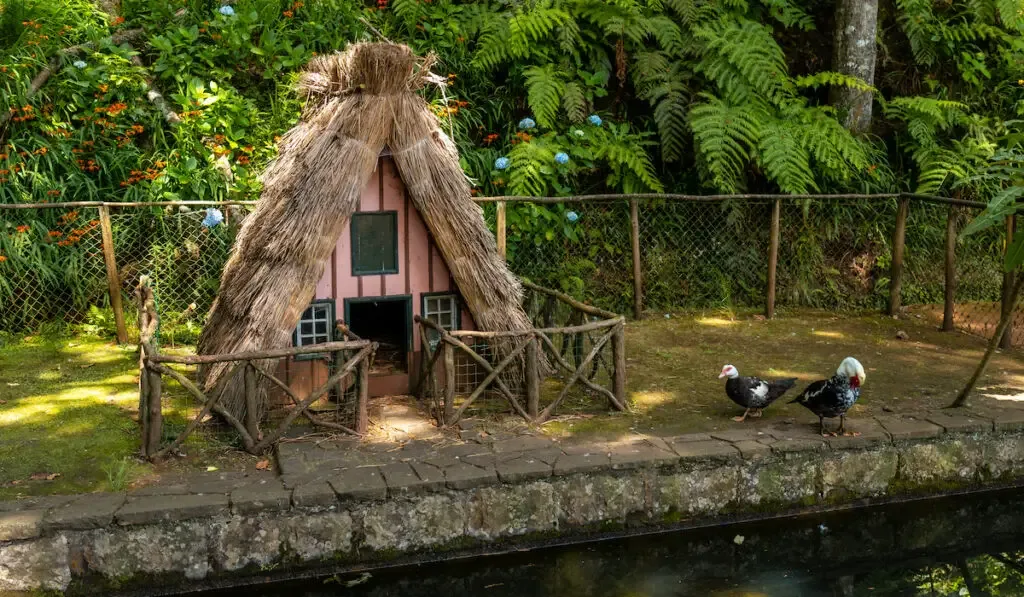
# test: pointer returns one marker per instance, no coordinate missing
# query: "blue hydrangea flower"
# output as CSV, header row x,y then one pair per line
x,y
594,120
213,217
578,133
501,163
78,64
572,216
527,123
562,158
226,11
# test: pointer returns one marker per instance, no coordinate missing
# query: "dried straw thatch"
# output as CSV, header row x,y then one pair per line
x,y
358,102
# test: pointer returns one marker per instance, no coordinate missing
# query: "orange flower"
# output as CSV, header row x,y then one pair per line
x,y
247,149
3,156
243,159
118,21
56,193
104,87
288,14
55,234
2,259
22,229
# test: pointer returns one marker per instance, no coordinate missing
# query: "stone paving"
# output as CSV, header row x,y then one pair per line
x,y
318,475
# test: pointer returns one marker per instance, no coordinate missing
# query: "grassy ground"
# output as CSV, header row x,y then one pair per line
x,y
68,412
68,407
673,365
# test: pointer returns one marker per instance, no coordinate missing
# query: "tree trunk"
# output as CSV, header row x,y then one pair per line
x,y
854,53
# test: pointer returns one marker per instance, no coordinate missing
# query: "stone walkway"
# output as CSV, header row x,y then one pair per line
x,y
319,474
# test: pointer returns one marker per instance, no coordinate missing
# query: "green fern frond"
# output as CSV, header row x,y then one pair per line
x,y
515,35
921,27
407,10
529,168
1011,13
724,136
750,50
834,79
839,153
631,166
785,159
789,14
667,33
574,102
544,92
940,113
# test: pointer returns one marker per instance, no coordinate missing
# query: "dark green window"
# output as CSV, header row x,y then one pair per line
x,y
375,243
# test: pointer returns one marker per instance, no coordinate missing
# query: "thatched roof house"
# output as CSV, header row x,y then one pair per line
x,y
358,102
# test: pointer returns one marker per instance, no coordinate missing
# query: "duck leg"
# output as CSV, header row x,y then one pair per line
x,y
842,428
757,412
821,426
742,418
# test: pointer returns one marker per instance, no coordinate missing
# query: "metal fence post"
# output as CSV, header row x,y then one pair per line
x,y
773,258
898,239
113,280
949,294
500,229
1006,342
638,281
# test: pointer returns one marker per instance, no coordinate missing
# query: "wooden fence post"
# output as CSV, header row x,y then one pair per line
x,y
252,422
1006,342
773,257
113,280
532,378
949,297
638,281
155,432
500,231
363,400
449,382
619,363
898,239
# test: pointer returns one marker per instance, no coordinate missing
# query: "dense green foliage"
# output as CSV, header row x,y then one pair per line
x,y
577,96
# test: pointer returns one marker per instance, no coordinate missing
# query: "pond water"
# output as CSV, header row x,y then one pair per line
x,y
964,545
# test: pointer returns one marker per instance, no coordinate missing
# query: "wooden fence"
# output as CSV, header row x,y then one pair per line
x,y
526,358
255,368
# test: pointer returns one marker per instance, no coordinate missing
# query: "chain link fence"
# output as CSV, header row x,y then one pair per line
x,y
834,254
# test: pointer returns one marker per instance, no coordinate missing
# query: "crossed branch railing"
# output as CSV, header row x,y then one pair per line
x,y
535,351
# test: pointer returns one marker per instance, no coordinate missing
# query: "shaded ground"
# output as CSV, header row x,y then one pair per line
x,y
977,318
68,407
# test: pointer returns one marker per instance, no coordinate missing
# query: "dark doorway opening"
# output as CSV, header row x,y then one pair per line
x,y
387,321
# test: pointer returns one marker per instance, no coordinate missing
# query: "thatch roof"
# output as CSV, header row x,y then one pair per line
x,y
358,102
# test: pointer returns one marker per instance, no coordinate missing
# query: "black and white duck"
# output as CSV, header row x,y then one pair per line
x,y
830,398
753,393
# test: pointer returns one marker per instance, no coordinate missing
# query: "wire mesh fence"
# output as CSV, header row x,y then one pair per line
x,y
834,253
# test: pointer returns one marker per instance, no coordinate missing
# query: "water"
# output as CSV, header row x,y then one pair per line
x,y
965,545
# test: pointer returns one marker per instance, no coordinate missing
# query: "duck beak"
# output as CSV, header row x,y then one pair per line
x,y
855,381
721,375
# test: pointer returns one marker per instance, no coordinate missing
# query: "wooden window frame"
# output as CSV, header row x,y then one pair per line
x,y
353,236
332,317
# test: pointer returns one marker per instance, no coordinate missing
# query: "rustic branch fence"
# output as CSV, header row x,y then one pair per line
x,y
253,366
563,346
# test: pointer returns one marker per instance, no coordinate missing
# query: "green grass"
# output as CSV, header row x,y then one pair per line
x,y
66,408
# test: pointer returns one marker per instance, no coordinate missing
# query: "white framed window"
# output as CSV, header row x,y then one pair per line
x,y
442,309
316,325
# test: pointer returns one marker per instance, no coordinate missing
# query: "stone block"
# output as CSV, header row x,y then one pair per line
x,y
88,512
319,537
21,524
182,548
522,444
858,474
41,502
641,454
705,491
571,464
738,435
175,489
31,566
364,483
498,512
431,477
929,464
904,428
781,481
172,508
751,450
466,476
956,422
432,519
705,450
589,499
523,469
784,446
245,541
317,494
1004,455
252,499
401,479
